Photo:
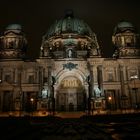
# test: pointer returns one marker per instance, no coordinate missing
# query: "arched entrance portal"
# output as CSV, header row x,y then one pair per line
x,y
70,95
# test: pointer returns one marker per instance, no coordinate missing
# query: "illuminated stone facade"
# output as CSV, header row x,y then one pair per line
x,y
70,74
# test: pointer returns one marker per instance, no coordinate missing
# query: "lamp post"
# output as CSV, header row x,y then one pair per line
x,y
32,103
133,78
109,101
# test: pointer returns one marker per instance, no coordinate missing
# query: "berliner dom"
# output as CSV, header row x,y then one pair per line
x,y
70,74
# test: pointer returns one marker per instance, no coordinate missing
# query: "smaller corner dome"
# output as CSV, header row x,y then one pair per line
x,y
14,27
123,26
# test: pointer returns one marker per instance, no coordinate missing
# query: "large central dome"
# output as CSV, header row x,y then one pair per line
x,y
69,37
69,24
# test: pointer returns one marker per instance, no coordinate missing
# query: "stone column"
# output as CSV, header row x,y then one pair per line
x,y
53,99
139,72
19,85
87,93
91,83
15,75
49,81
1,73
91,87
40,80
100,79
1,99
122,80
123,96
55,92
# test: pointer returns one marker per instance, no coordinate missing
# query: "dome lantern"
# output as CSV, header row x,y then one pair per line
x,y
69,13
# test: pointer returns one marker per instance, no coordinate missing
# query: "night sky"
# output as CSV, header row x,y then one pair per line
x,y
36,16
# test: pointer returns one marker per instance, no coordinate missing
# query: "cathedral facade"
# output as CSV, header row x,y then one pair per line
x,y
70,73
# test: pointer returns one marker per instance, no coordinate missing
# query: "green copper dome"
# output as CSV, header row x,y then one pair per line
x,y
123,26
14,27
69,24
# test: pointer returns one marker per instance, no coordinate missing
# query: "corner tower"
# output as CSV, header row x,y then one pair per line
x,y
13,43
125,40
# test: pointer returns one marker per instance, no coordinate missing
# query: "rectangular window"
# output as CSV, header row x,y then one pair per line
x,y
7,78
98,104
45,79
110,77
31,79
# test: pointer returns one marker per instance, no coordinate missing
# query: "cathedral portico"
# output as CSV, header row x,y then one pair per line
x,y
70,89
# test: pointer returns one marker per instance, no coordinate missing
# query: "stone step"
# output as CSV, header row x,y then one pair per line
x,y
70,114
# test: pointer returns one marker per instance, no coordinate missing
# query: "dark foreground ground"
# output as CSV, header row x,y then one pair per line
x,y
114,127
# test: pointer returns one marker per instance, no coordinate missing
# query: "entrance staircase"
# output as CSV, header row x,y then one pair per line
x,y
76,114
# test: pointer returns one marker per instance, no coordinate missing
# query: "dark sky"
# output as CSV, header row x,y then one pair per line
x,y
36,16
